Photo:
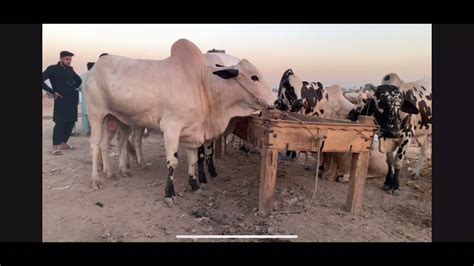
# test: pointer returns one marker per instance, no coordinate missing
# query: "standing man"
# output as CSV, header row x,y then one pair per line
x,y
86,128
64,82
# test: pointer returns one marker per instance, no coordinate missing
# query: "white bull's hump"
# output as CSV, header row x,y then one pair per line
x,y
338,106
188,52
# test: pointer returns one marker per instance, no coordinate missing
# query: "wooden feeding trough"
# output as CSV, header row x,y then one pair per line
x,y
276,131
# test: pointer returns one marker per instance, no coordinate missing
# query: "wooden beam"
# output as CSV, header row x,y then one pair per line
x,y
267,180
355,197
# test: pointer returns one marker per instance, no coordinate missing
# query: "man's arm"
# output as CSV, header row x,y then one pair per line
x,y
77,79
47,75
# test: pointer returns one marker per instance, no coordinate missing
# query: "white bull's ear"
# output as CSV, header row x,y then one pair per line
x,y
226,73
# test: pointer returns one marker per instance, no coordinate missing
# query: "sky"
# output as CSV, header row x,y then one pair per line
x,y
349,55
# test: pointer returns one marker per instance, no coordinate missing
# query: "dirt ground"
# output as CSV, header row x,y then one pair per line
x,y
132,209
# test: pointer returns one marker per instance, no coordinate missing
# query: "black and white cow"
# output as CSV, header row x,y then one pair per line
x,y
326,103
403,112
295,95
310,98
305,97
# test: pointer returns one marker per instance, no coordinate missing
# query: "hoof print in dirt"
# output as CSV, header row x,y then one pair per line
x,y
261,230
197,191
199,212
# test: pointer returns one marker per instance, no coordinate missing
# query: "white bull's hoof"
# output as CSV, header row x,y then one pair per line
x,y
110,175
203,186
144,166
96,185
386,187
125,173
395,192
169,202
343,179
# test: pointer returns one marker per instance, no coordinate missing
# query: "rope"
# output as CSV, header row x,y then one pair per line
x,y
317,175
320,140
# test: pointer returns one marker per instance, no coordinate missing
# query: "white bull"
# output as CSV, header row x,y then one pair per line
x,y
191,102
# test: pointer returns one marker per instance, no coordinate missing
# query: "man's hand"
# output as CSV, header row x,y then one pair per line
x,y
57,95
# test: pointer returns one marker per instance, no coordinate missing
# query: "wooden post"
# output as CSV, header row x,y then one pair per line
x,y
359,165
267,180
224,145
218,148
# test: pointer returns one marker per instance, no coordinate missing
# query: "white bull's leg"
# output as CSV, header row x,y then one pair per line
x,y
109,130
330,167
192,160
100,166
421,160
209,150
123,157
138,146
201,158
171,136
95,140
130,151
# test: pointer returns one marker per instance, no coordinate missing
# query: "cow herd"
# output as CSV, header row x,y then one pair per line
x,y
193,97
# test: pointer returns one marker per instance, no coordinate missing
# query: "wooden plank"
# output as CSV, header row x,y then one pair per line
x,y
268,170
336,141
296,136
364,122
355,197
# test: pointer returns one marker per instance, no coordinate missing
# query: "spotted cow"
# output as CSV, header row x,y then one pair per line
x,y
403,111
311,98
295,95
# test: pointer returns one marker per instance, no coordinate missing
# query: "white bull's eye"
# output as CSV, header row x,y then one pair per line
x,y
254,78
